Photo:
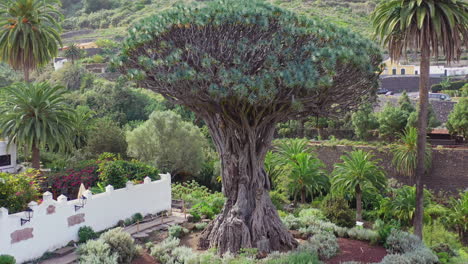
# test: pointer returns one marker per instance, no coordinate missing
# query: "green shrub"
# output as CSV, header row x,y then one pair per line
x,y
177,231
7,259
291,222
161,251
121,243
86,233
385,230
363,234
444,252
395,259
435,234
183,255
17,190
118,172
337,210
451,86
311,215
138,217
324,244
96,252
278,199
421,255
203,209
201,226
402,242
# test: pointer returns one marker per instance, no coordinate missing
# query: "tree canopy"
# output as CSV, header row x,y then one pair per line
x,y
269,60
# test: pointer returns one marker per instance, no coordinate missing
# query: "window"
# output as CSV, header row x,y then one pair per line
x,y
403,71
5,160
394,71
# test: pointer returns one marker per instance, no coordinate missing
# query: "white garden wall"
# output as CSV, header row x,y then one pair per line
x,y
55,223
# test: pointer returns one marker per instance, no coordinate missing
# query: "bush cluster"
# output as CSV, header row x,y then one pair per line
x,y
323,243
118,172
337,210
177,231
113,247
407,248
7,259
86,233
17,190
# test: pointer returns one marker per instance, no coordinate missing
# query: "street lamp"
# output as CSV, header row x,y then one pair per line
x,y
82,201
29,214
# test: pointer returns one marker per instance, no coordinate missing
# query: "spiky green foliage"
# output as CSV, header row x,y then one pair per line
x,y
36,115
405,153
276,58
72,52
356,173
358,168
400,205
306,175
408,24
29,33
458,217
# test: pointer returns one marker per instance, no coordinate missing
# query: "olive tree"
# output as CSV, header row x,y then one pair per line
x,y
169,143
242,67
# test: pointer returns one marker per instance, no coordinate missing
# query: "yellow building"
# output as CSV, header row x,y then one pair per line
x,y
393,68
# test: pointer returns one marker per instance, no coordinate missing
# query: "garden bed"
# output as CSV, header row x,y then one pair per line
x,y
354,250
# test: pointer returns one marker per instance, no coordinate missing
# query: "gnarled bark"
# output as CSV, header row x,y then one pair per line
x,y
249,219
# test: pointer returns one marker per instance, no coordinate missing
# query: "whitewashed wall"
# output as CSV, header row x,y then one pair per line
x,y
8,150
55,223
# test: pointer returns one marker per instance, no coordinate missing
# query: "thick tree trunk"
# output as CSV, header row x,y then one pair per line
x,y
358,203
422,134
36,160
249,219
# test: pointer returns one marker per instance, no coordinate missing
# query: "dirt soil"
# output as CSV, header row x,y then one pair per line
x,y
353,250
144,259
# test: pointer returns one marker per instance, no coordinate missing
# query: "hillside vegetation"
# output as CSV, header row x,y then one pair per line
x,y
111,17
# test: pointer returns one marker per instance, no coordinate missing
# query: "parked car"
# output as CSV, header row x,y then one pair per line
x,y
439,96
384,91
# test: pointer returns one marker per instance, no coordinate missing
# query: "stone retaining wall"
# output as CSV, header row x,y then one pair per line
x,y
449,166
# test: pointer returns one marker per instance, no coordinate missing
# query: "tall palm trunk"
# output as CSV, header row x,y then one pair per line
x,y
26,75
358,203
303,195
422,134
36,160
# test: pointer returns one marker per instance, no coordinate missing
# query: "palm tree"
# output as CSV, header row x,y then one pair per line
x,y
458,216
307,176
405,153
357,172
428,27
36,115
29,33
73,53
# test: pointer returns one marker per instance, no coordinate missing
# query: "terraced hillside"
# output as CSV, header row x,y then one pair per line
x,y
92,19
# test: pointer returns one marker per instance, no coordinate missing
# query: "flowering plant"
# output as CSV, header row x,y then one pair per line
x,y
17,190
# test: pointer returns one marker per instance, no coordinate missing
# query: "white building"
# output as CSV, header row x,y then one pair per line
x,y
59,62
7,157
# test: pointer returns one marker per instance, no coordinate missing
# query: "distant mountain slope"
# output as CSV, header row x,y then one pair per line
x,y
109,14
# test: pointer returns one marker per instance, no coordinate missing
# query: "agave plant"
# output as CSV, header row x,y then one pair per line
x,y
405,153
